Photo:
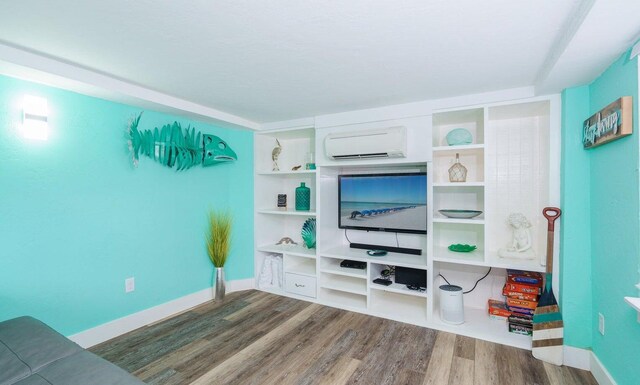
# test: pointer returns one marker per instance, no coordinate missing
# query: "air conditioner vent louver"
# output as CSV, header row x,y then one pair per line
x,y
381,143
360,156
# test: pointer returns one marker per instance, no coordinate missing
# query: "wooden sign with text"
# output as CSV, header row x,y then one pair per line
x,y
610,123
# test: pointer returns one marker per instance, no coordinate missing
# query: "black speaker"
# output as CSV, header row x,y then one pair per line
x,y
409,276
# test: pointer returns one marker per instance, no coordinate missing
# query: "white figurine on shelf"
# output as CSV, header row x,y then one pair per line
x,y
520,246
275,153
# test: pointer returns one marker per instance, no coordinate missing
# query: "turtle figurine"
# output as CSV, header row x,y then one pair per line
x,y
286,241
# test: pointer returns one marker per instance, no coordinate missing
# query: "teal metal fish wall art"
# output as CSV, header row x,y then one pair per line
x,y
174,147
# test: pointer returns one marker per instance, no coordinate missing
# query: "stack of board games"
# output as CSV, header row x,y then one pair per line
x,y
498,309
522,291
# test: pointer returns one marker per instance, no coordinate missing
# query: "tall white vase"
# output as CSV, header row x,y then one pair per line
x,y
219,287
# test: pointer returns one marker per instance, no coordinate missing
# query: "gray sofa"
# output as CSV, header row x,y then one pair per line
x,y
31,353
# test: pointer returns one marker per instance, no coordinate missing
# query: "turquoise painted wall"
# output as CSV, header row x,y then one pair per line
x,y
604,182
615,228
76,218
575,248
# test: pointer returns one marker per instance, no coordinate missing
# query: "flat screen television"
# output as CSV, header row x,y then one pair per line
x,y
383,202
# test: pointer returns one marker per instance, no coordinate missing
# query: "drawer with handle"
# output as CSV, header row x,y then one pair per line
x,y
300,284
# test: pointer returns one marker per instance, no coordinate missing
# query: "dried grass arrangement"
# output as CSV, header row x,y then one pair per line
x,y
219,236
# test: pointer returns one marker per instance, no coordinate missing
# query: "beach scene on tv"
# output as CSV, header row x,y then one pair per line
x,y
392,202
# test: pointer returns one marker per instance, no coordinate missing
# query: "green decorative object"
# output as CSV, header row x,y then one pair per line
x,y
460,248
309,233
173,146
303,198
459,137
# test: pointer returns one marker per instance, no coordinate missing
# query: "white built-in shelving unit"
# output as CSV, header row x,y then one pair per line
x,y
509,171
273,223
510,162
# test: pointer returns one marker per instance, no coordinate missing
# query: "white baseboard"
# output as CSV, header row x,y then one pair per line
x,y
109,330
600,373
240,285
577,357
585,359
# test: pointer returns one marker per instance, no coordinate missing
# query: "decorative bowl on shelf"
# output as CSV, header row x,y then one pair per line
x,y
460,248
460,214
459,137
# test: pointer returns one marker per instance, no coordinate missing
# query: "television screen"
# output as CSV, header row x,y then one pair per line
x,y
383,202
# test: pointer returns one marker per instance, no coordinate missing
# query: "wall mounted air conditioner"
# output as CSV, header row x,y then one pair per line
x,y
380,143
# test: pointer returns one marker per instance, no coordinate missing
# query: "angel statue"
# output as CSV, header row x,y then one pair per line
x,y
275,153
520,246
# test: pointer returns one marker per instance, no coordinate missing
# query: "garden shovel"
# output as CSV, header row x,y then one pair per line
x,y
548,328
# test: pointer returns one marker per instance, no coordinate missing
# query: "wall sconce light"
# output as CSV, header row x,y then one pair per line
x,y
34,118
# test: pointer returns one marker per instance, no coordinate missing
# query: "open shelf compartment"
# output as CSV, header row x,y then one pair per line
x,y
299,265
469,119
472,160
478,323
343,283
297,250
277,275
332,265
275,227
376,269
343,300
458,197
446,234
393,259
399,307
295,147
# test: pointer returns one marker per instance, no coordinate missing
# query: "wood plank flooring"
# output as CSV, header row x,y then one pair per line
x,y
257,338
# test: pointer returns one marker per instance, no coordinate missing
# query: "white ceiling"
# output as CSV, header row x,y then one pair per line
x,y
256,61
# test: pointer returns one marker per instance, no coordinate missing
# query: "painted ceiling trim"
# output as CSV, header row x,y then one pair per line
x,y
563,39
71,76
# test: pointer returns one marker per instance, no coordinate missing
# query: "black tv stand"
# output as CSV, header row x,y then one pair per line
x,y
403,250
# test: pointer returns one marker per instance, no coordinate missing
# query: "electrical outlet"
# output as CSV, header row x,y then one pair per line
x,y
601,323
129,285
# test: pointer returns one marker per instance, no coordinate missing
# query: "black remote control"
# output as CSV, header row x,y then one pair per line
x,y
381,281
